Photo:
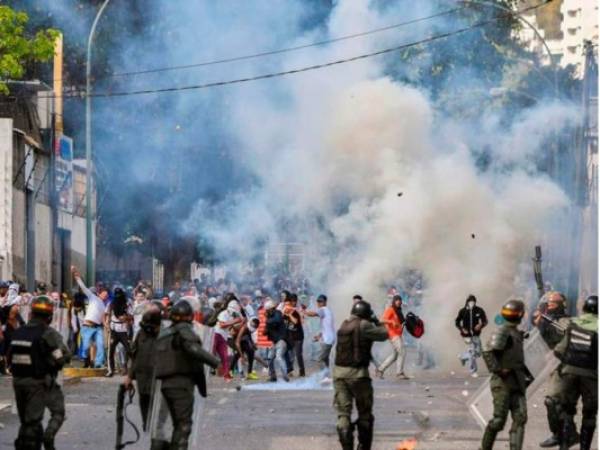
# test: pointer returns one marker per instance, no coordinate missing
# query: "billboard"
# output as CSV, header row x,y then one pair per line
x,y
63,151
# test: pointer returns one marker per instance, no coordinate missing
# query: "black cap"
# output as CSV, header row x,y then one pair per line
x,y
321,298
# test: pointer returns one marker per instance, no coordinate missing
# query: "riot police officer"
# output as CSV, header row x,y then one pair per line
x,y
179,365
578,351
351,380
37,353
505,359
549,317
141,363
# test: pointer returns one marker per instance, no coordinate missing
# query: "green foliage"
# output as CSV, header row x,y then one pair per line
x,y
17,48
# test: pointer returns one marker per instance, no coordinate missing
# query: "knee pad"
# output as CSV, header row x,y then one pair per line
x,y
520,418
343,423
497,423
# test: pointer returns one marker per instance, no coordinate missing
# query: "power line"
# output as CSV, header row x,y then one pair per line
x,y
284,50
302,69
307,68
278,51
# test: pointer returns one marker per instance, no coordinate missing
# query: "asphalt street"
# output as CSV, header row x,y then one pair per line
x,y
430,408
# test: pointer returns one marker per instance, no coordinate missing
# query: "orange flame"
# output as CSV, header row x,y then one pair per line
x,y
408,444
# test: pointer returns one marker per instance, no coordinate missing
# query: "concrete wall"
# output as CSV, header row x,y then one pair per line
x,y
6,170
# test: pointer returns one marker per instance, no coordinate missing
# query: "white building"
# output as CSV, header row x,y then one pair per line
x,y
39,237
578,23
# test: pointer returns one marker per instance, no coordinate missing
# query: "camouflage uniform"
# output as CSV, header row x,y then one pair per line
x,y
510,378
576,382
353,384
556,385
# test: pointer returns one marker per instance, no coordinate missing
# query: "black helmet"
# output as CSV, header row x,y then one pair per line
x,y
362,309
513,310
591,305
42,305
152,316
181,312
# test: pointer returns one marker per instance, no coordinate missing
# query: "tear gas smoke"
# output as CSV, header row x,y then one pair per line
x,y
321,158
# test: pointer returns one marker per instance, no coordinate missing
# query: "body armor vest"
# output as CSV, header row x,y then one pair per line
x,y
351,350
582,348
27,353
171,360
513,356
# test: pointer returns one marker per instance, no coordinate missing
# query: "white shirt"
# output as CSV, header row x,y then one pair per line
x,y
222,317
95,308
327,325
249,311
115,324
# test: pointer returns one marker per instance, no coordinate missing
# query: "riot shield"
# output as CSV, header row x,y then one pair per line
x,y
160,425
539,360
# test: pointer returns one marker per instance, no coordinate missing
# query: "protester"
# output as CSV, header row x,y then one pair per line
x,y
327,332
295,334
277,333
470,321
92,327
225,320
119,315
393,319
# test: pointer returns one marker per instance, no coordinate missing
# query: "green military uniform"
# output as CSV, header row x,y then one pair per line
x,y
579,380
179,364
556,385
141,368
36,356
505,359
351,380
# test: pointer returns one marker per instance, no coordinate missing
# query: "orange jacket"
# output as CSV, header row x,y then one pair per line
x,y
262,341
396,328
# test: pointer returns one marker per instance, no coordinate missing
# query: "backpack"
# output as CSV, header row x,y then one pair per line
x,y
414,325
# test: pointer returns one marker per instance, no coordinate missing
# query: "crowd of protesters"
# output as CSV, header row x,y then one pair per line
x,y
259,322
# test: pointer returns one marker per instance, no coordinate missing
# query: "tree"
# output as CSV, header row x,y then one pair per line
x,y
17,49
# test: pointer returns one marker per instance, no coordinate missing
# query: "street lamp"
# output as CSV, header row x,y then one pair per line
x,y
526,22
88,150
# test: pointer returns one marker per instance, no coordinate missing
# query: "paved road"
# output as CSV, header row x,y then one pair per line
x,y
290,420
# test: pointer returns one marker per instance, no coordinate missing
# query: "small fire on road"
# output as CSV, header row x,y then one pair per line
x,y
408,444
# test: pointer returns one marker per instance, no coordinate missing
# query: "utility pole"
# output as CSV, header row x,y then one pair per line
x,y
89,232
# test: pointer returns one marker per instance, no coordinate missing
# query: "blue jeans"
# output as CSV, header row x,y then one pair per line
x,y
95,334
277,358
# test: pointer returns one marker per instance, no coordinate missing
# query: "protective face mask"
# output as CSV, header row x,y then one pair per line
x,y
471,305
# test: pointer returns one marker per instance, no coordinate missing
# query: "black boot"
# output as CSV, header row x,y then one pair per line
x,y
49,444
346,437
156,444
489,437
365,435
516,437
586,438
566,436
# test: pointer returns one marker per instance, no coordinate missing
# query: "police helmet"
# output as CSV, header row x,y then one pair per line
x,y
362,309
591,305
181,312
42,305
513,310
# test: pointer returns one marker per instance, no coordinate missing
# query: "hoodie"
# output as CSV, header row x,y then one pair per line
x,y
469,318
